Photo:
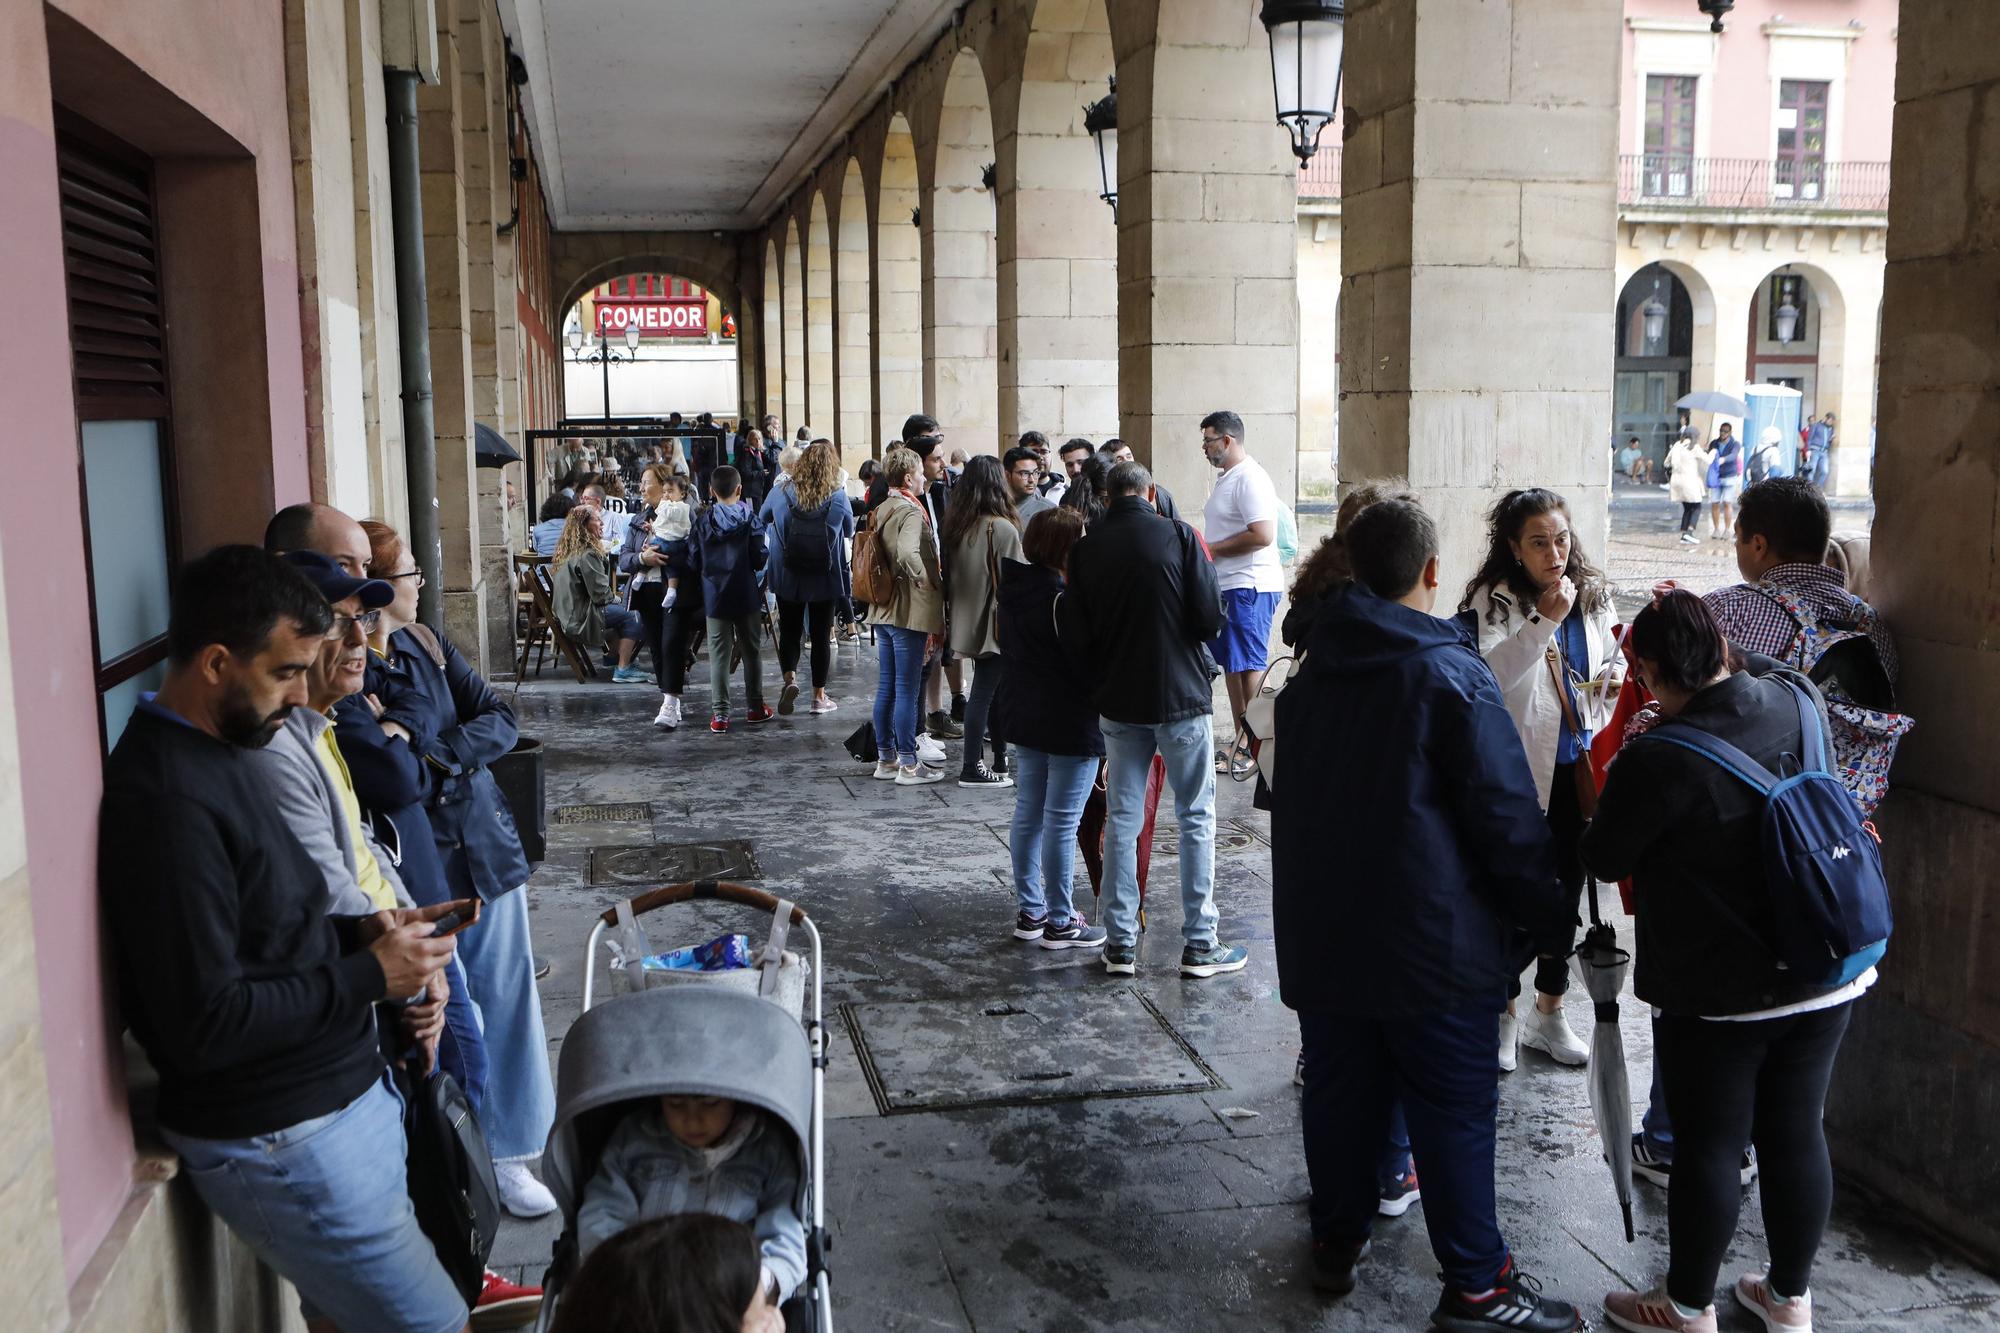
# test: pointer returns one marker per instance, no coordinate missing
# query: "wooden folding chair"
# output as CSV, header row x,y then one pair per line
x,y
533,618
578,657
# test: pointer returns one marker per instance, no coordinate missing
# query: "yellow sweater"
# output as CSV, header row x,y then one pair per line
x,y
366,869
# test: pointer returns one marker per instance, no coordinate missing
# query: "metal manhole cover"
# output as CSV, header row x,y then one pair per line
x,y
673,862
617,812
1228,838
930,1055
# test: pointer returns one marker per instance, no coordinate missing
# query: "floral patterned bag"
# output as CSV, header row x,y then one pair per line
x,y
1864,739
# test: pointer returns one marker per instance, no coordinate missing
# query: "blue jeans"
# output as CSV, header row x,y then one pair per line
x,y
326,1203
1049,792
620,623
499,962
1438,1069
899,656
462,1046
1189,749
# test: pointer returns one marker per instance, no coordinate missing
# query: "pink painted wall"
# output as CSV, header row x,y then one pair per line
x,y
225,59
1741,125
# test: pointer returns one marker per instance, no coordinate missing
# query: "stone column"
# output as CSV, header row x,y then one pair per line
x,y
1479,209
1912,1110
961,345
441,116
375,267
489,299
1853,405
1208,309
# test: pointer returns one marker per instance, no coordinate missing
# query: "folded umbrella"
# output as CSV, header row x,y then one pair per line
x,y
1709,400
1600,965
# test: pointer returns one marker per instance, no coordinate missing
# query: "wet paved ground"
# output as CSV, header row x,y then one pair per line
x,y
1175,1210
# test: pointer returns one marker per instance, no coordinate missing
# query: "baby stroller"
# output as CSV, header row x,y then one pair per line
x,y
735,1034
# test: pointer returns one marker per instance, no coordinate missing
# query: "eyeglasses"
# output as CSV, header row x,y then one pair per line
x,y
417,574
338,631
1206,438
1026,471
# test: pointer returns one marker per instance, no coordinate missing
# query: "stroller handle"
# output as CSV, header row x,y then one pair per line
x,y
703,888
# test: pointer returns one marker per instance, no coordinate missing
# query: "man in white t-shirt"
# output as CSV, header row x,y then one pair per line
x,y
1240,524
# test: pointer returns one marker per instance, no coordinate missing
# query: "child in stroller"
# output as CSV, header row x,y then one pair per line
x,y
685,1154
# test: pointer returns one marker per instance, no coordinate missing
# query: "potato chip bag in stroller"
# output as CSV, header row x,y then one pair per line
x,y
693,1040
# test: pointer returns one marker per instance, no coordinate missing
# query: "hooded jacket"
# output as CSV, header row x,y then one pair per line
x,y
1141,606
1041,702
1406,838
726,549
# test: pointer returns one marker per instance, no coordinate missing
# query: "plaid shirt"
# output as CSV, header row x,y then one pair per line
x,y
1756,623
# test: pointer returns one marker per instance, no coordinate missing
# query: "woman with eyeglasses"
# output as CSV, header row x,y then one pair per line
x,y
454,724
1542,614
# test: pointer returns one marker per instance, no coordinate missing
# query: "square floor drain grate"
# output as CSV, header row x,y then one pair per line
x,y
673,863
617,812
934,1055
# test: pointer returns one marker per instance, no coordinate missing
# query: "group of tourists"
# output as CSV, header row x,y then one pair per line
x,y
1449,763
1716,473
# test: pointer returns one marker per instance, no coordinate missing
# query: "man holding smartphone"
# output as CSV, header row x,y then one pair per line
x,y
254,1003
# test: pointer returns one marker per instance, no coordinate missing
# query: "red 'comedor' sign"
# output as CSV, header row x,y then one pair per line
x,y
685,319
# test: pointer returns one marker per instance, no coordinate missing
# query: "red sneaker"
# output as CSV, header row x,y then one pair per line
x,y
502,1304
719,723
761,713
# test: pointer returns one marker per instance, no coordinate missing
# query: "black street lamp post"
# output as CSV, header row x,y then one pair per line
x,y
604,354
1306,39
1101,119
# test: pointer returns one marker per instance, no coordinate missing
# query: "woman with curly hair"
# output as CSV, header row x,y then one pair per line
x,y
1542,612
581,572
810,524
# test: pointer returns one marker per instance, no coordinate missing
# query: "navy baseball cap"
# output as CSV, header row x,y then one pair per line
x,y
336,584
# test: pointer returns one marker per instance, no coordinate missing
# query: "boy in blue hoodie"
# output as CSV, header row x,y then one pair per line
x,y
726,549
1408,847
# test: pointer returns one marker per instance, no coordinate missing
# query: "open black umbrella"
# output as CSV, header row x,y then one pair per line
x,y
490,447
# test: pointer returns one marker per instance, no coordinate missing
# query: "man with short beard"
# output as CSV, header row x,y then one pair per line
x,y
255,1005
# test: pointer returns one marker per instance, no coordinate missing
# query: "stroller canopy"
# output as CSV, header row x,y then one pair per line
x,y
694,1041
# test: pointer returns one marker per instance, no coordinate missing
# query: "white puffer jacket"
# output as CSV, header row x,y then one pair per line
x,y
1687,472
1515,643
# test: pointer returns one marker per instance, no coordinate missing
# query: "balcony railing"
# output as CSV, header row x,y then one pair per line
x,y
1670,180
1321,178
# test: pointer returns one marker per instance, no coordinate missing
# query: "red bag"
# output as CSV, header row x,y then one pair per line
x,y
1090,830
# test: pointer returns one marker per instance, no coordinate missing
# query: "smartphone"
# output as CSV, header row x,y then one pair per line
x,y
464,913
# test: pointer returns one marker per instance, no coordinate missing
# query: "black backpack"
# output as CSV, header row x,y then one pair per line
x,y
450,1181
809,540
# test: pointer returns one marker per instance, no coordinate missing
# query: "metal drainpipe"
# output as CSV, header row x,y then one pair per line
x,y
413,318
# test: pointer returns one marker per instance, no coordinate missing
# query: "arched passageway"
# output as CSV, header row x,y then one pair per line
x,y
819,321
1058,240
859,438
1652,358
899,373
961,346
771,334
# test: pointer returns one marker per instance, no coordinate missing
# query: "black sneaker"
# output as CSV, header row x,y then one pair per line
x,y
1647,1164
958,708
1121,960
979,775
1333,1266
1029,927
1514,1303
1076,933
941,727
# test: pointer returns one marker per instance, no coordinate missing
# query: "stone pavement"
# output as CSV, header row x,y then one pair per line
x,y
1175,1209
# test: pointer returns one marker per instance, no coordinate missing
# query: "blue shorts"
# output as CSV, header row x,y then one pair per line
x,y
1245,641
319,1202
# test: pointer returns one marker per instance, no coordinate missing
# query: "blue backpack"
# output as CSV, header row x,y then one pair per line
x,y
1822,865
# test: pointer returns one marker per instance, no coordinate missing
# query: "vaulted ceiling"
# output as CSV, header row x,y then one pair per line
x,y
687,114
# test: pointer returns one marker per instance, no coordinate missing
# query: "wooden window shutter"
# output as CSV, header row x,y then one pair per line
x,y
111,258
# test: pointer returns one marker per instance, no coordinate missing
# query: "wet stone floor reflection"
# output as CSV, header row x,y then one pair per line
x,y
1161,1185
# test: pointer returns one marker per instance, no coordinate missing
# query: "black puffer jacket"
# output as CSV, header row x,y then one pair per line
x,y
1141,606
1042,703
1689,835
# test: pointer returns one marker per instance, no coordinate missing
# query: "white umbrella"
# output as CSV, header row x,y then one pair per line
x,y
1601,966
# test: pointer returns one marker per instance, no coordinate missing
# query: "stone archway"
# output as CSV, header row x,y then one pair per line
x,y
581,261
859,438
794,293
899,285
771,333
819,320
1058,240
961,345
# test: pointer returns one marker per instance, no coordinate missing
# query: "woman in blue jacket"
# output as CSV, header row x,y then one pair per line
x,y
434,702
810,526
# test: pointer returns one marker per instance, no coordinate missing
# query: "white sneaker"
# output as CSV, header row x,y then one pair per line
x,y
1551,1035
885,770
826,705
928,750
1510,1040
920,776
669,715
520,1193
